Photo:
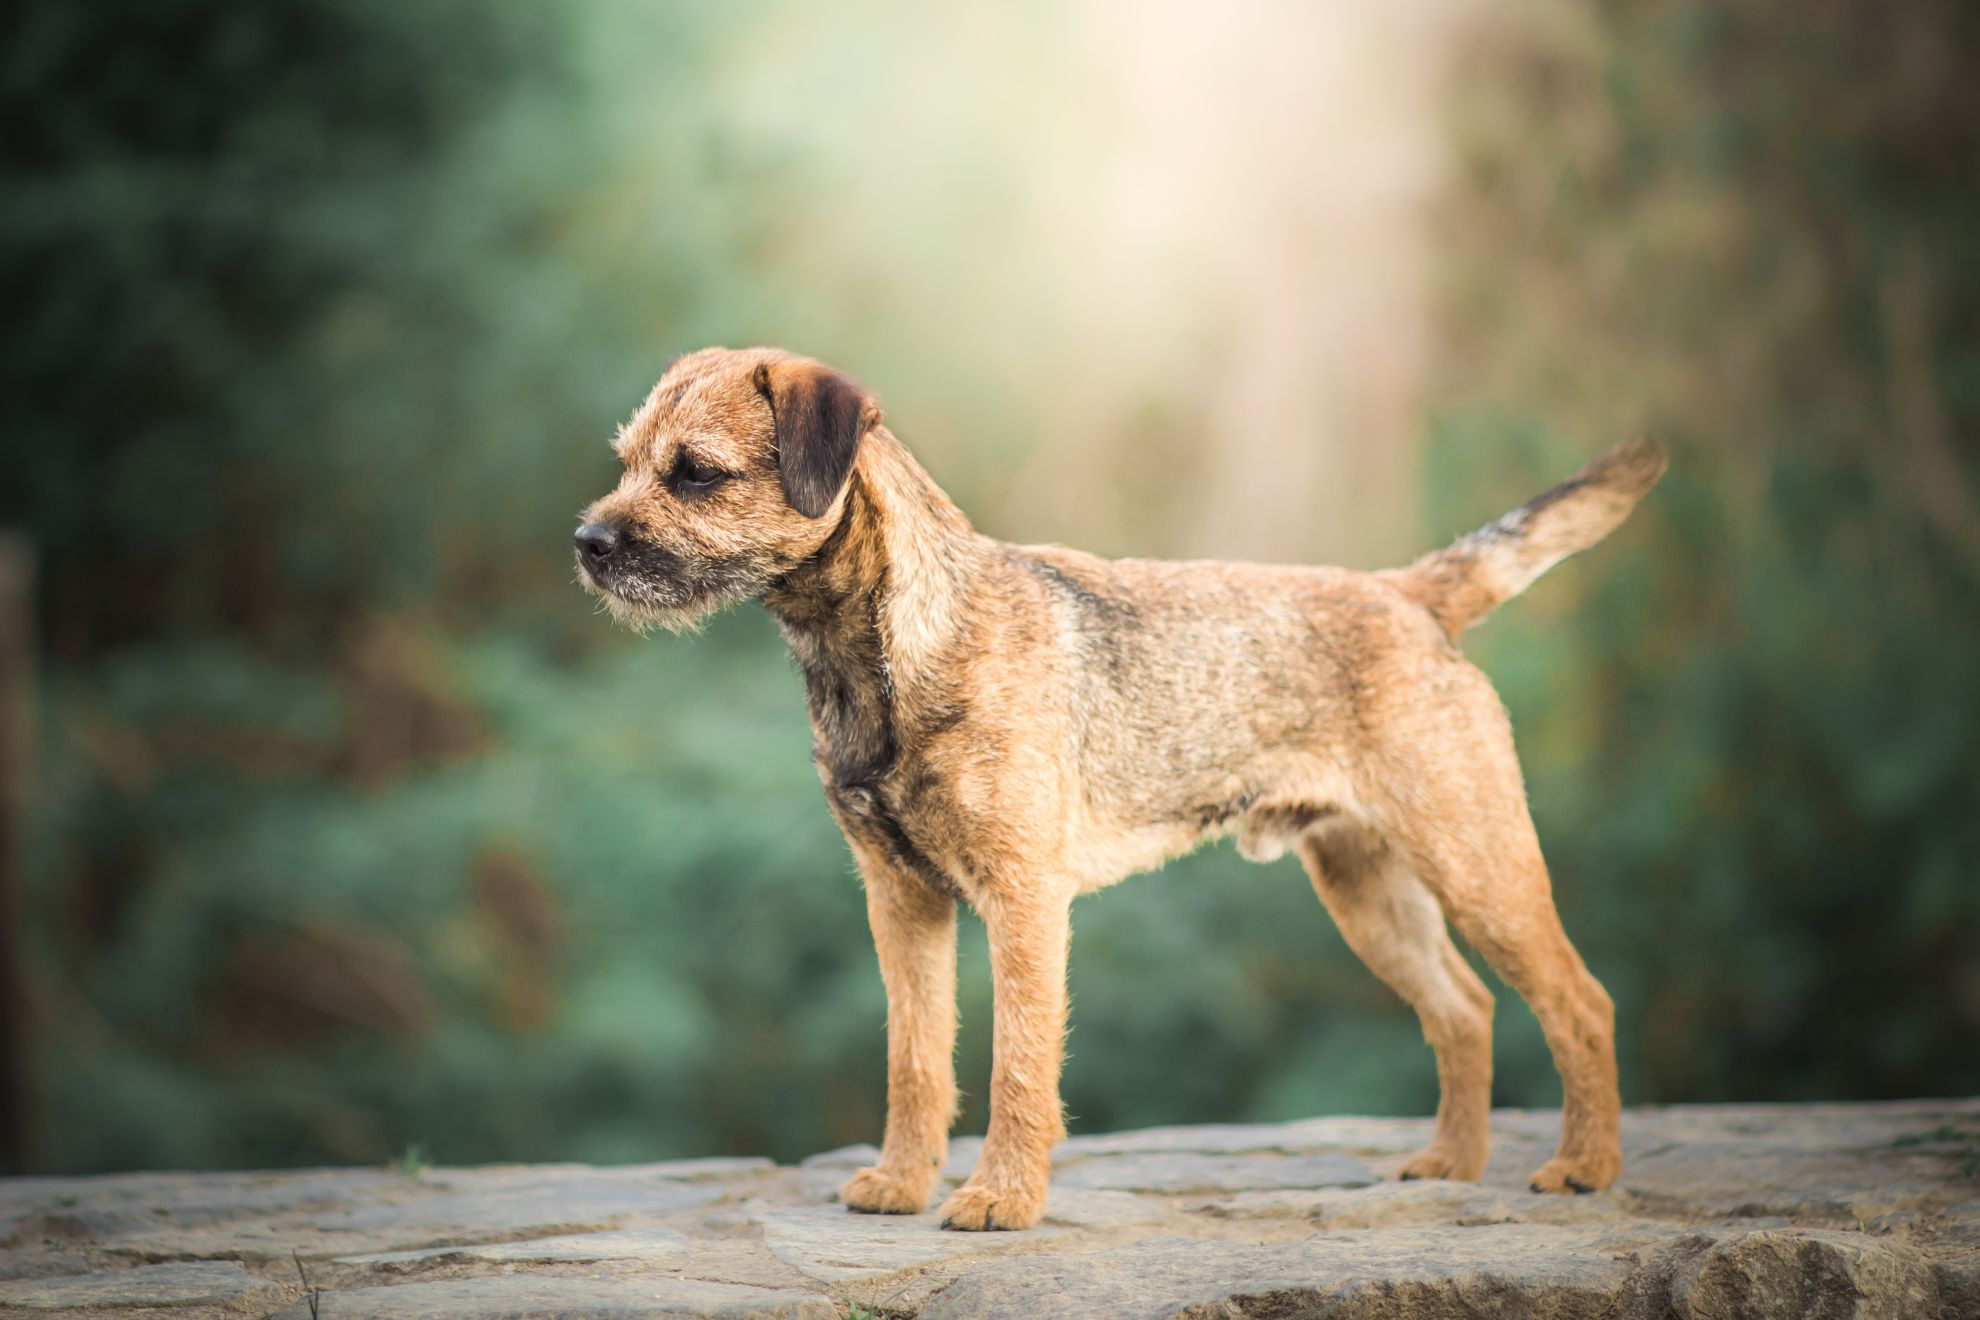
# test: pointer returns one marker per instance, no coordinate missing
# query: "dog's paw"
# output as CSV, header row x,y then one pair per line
x,y
976,1207
875,1191
1439,1162
1577,1174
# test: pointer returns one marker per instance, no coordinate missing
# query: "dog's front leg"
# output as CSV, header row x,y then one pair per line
x,y
914,932
1028,938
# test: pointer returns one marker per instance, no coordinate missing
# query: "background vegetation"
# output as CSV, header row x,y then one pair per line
x,y
352,828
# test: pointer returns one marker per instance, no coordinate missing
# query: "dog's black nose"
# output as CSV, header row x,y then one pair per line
x,y
597,541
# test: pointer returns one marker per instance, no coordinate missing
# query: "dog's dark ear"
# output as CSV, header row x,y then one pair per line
x,y
820,416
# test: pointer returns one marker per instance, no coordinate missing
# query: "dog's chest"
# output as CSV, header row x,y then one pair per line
x,y
868,746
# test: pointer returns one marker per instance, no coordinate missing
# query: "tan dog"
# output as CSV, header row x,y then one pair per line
x,y
1018,725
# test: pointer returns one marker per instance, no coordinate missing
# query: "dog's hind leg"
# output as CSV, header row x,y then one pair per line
x,y
1394,924
1494,887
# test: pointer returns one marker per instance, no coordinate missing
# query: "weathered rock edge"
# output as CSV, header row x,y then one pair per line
x,y
1825,1210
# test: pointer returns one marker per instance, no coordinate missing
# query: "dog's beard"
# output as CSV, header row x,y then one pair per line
x,y
676,602
642,616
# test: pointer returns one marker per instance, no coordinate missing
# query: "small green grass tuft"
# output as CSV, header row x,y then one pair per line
x,y
411,1162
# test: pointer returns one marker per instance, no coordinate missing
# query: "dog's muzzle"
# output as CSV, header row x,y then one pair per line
x,y
645,584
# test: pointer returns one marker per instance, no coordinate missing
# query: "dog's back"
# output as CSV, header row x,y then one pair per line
x,y
1205,697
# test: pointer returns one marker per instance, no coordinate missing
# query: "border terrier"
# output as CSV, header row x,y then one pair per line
x,y
1018,725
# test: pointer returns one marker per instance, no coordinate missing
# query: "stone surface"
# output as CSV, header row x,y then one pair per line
x,y
1382,1136
646,1244
565,1299
1188,1172
490,1208
824,1242
40,1264
1775,1272
212,1285
1831,1210
1502,1270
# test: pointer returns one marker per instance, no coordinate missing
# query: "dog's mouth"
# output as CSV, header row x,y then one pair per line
x,y
644,587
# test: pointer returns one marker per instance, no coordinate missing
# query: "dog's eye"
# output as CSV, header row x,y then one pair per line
x,y
694,477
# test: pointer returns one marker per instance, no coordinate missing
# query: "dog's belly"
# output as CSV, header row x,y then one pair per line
x,y
1281,799
1105,857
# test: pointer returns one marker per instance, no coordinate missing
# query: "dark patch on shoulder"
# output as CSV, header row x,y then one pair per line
x,y
911,859
1091,602
1102,619
868,815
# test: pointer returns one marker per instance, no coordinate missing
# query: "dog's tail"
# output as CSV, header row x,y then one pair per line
x,y
1464,581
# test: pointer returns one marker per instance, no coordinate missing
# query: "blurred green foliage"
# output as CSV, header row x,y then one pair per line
x,y
353,830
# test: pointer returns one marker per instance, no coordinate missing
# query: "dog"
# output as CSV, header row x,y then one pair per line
x,y
1013,726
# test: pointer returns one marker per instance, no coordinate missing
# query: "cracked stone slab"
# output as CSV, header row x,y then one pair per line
x,y
1640,1270
1388,1136
499,1177
31,1264
1843,1276
1183,1173
1799,1168
1235,1158
1958,1277
190,1198
103,1209
1399,1136
1400,1204
832,1244
564,1298
472,1208
203,1283
706,1169
651,1245
1067,1207
1723,1211
1511,1270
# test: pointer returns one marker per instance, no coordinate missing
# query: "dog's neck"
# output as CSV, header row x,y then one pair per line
x,y
870,615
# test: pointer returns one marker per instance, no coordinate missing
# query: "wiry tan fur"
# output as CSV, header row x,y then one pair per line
x,y
1017,725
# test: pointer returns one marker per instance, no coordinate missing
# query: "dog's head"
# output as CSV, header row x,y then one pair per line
x,y
735,470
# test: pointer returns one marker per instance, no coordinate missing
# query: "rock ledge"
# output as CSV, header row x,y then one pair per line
x,y
1865,1211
